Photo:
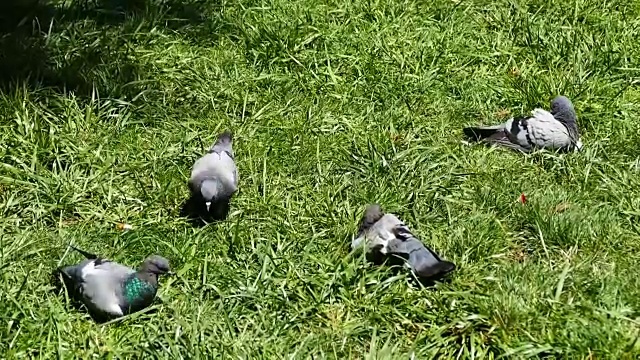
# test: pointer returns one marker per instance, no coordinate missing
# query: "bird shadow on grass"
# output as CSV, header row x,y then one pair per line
x,y
196,212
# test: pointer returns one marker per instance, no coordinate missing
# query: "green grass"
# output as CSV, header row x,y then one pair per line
x,y
335,104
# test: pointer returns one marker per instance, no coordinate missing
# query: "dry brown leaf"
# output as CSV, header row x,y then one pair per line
x,y
396,138
519,255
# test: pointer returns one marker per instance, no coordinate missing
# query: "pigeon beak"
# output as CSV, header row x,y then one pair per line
x,y
208,203
170,273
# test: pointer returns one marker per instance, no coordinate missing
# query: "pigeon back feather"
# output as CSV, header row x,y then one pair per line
x,y
374,236
219,166
545,131
102,286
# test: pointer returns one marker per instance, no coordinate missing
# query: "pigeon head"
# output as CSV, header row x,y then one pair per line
x,y
156,264
224,143
225,138
209,191
372,214
562,109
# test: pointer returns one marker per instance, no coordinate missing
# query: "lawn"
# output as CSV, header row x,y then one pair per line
x,y
105,106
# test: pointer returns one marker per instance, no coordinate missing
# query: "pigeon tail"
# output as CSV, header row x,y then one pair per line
x,y
69,272
86,254
65,273
71,276
433,271
496,135
490,133
209,190
425,263
428,266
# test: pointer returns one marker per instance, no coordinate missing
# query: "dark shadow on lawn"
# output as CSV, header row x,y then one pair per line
x,y
87,63
196,212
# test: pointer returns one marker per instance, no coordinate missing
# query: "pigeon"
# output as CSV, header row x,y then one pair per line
x,y
556,130
214,177
110,290
386,237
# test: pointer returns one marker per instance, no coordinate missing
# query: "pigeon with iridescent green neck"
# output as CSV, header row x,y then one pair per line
x,y
111,290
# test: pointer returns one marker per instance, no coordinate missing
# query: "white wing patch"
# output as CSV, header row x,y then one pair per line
x,y
98,289
520,137
379,235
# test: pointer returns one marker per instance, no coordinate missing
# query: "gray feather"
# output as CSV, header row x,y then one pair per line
x,y
424,262
555,130
223,144
372,214
100,284
389,238
214,176
102,288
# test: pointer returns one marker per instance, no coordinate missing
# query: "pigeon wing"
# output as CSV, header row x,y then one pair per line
x,y
502,135
424,262
518,137
102,286
547,132
72,277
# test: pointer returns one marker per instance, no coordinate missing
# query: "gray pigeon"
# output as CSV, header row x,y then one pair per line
x,y
111,290
555,130
385,237
214,177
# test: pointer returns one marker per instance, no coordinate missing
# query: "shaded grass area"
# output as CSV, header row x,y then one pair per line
x,y
106,105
